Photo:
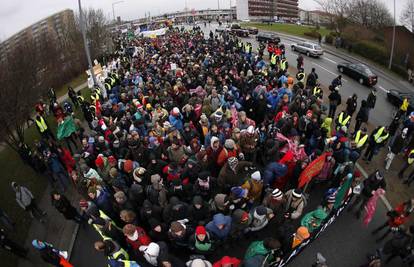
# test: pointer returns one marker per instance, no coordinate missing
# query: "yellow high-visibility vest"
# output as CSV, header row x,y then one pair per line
x,y
316,90
360,141
112,81
107,86
410,157
343,121
120,252
404,105
41,124
301,77
273,59
283,64
378,136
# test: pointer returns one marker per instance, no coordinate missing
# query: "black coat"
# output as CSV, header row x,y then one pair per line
x,y
63,206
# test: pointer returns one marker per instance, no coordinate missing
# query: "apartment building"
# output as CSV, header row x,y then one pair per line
x,y
267,10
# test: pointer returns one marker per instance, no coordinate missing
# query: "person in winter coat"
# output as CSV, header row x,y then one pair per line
x,y
175,210
248,143
275,200
62,204
396,147
198,263
233,173
158,230
372,99
312,220
149,210
102,200
334,102
396,218
153,251
240,221
49,254
294,240
260,218
227,261
362,115
135,236
201,242
351,104
179,235
220,204
254,187
229,150
26,201
111,250
372,183
156,192
220,226
199,212
295,203
399,245
268,246
205,186
272,172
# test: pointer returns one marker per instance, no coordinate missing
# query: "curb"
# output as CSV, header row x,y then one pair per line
x,y
72,240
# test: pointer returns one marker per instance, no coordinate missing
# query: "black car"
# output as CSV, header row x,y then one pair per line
x,y
396,98
359,72
252,30
267,37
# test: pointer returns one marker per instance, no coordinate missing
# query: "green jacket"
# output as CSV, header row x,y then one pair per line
x,y
312,220
256,248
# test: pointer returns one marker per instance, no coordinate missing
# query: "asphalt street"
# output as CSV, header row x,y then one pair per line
x,y
347,241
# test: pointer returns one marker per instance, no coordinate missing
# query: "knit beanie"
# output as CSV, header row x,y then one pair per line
x,y
229,144
176,227
201,230
233,161
276,193
256,176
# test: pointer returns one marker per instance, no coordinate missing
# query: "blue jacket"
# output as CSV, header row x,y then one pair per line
x,y
217,220
273,171
176,122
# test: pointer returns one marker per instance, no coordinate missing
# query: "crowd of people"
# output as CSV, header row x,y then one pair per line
x,y
195,144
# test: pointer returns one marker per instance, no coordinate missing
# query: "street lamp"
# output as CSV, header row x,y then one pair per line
x,y
113,9
85,42
393,40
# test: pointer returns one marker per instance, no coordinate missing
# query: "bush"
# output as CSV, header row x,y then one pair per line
x,y
372,51
400,70
313,34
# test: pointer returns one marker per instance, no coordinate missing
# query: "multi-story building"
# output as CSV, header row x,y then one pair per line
x,y
313,17
267,10
52,26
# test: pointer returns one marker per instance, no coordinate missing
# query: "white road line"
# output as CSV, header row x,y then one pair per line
x,y
330,60
343,79
382,89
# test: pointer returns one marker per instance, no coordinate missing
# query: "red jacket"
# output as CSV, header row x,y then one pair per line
x,y
401,217
235,262
143,239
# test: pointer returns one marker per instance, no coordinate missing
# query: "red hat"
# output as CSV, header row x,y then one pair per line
x,y
200,230
83,203
99,162
112,160
128,166
245,217
309,113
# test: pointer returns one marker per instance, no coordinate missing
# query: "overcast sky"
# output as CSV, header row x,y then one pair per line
x,y
18,14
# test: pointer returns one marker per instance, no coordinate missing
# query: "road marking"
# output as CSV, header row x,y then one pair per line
x,y
330,60
383,89
383,198
345,80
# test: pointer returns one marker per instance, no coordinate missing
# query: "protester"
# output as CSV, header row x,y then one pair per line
x,y
26,200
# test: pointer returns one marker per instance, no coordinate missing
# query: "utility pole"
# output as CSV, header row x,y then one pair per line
x,y
85,43
393,39
218,4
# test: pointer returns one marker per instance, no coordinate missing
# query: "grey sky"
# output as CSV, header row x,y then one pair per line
x,y
18,14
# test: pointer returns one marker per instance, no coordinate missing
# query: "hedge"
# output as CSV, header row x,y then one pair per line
x,y
372,51
313,34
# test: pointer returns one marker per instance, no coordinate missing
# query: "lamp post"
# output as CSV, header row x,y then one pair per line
x,y
85,43
393,40
113,8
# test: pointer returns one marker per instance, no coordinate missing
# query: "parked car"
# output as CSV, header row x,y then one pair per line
x,y
359,72
267,37
308,48
396,98
252,30
237,30
222,29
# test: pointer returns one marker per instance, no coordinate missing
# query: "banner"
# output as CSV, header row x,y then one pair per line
x,y
313,169
66,128
153,34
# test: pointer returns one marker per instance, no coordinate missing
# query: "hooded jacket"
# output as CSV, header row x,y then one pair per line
x,y
273,171
230,178
255,248
234,262
237,225
259,221
220,219
312,220
197,216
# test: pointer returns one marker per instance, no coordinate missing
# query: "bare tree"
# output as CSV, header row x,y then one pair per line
x,y
369,13
339,9
407,15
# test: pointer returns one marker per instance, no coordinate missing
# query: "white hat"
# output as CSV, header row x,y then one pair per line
x,y
176,110
250,129
277,193
256,176
297,193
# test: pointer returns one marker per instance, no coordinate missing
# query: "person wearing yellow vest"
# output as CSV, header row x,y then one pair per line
x,y
112,250
377,140
273,61
358,143
404,105
396,147
283,64
43,127
407,163
343,119
317,91
300,76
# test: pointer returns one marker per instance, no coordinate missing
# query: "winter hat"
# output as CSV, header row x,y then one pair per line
x,y
153,249
113,172
128,166
112,160
198,263
238,191
175,111
277,194
38,244
233,161
303,232
201,230
331,199
245,216
176,227
261,210
229,144
256,176
297,193
218,115
152,140
204,175
250,129
213,140
379,175
155,178
99,161
167,124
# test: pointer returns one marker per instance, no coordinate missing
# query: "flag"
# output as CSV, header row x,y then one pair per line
x,y
343,191
313,169
66,128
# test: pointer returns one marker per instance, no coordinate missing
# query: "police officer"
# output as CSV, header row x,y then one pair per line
x,y
377,140
359,143
343,119
283,64
43,127
300,76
